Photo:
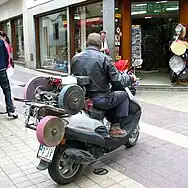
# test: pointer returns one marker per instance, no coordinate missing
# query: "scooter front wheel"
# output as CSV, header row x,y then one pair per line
x,y
133,138
62,170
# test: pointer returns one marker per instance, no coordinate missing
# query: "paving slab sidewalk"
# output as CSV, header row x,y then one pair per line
x,y
18,148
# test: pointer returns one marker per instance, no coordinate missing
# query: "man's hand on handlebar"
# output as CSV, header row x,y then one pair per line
x,y
133,77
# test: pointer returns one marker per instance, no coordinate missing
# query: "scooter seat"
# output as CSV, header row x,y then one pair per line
x,y
97,114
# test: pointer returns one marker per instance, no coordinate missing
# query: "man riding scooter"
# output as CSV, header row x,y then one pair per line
x,y
103,74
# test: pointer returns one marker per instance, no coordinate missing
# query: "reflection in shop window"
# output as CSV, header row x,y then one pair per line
x,y
19,39
88,19
56,31
53,41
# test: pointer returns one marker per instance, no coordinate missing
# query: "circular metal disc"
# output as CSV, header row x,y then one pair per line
x,y
178,47
71,99
177,64
50,131
35,84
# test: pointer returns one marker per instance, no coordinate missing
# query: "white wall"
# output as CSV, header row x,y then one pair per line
x,y
34,3
36,7
11,9
41,5
29,9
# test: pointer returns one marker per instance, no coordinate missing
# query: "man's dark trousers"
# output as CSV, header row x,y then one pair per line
x,y
115,102
5,85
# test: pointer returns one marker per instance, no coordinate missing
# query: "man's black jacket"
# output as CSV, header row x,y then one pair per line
x,y
3,56
100,69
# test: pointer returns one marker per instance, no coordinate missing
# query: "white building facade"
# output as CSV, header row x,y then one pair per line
x,y
47,33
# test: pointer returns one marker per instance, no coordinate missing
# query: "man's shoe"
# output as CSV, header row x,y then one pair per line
x,y
13,114
117,132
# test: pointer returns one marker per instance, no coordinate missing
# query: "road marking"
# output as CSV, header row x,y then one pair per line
x,y
164,134
170,105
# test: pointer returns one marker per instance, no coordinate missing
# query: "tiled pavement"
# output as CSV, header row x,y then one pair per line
x,y
153,162
18,148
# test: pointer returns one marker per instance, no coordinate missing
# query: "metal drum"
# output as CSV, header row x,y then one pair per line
x,y
177,64
178,47
50,131
71,98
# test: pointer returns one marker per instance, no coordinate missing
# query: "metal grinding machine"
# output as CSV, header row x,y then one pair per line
x,y
48,100
71,132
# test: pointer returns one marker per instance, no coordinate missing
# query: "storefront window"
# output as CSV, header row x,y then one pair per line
x,y
53,41
19,39
88,19
153,26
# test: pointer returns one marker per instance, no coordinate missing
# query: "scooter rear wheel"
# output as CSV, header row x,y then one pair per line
x,y
62,170
133,138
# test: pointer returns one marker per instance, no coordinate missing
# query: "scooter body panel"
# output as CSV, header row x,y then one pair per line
x,y
84,129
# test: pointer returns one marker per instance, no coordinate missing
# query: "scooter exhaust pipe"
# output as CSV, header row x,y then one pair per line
x,y
79,156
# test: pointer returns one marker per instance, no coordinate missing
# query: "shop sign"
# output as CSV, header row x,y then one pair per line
x,y
118,15
136,26
154,8
118,58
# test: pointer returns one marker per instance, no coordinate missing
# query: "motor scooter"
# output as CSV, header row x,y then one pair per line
x,y
123,66
179,62
70,131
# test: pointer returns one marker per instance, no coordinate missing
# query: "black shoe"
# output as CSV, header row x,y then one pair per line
x,y
13,114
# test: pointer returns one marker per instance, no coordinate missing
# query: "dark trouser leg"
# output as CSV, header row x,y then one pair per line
x,y
122,110
117,104
4,83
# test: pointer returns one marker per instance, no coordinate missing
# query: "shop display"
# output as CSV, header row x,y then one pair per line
x,y
136,42
118,34
156,36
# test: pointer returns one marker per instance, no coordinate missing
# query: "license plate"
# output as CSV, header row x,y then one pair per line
x,y
46,153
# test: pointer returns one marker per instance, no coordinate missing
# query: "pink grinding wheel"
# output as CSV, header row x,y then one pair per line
x,y
50,131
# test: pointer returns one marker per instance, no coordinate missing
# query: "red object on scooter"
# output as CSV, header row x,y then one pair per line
x,y
88,105
122,65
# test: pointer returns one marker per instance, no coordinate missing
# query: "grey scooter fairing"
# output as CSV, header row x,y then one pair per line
x,y
83,128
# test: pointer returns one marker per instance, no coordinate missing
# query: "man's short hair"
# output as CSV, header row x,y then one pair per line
x,y
94,39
